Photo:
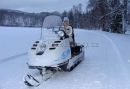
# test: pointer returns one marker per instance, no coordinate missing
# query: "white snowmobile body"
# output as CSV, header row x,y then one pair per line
x,y
57,54
53,52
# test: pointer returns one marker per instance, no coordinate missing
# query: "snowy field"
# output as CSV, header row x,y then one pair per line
x,y
106,64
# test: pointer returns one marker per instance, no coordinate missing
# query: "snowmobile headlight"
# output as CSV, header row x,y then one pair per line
x,y
61,33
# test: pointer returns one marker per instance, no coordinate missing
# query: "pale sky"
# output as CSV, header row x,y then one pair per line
x,y
40,5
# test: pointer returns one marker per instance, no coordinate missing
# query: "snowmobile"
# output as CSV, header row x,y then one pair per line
x,y
52,53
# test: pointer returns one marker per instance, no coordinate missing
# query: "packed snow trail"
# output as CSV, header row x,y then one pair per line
x,y
105,66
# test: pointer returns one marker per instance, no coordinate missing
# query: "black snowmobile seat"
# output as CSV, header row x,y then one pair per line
x,y
75,50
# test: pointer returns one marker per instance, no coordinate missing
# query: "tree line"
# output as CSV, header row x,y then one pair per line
x,y
108,15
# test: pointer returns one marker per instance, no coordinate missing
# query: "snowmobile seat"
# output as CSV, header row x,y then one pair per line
x,y
75,50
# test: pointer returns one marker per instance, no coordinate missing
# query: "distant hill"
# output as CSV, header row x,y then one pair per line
x,y
22,19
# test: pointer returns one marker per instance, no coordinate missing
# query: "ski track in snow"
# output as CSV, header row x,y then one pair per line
x,y
123,71
104,66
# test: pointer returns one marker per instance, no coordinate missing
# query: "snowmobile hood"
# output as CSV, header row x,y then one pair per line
x,y
52,55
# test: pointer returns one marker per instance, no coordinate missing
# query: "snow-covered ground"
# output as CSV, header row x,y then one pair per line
x,y
106,64
128,29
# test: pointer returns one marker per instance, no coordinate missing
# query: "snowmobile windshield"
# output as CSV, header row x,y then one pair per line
x,y
51,25
52,22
